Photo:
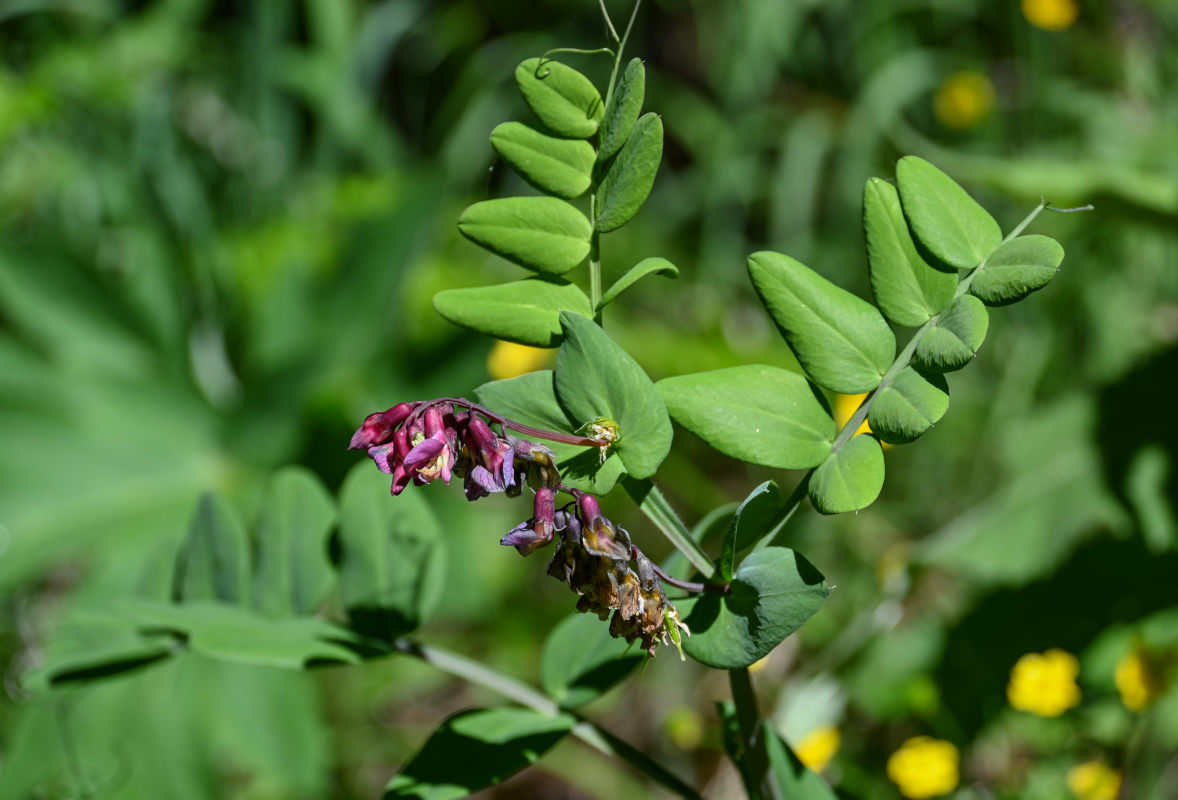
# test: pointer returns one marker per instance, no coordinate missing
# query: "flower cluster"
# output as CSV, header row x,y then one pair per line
x,y
924,768
1044,683
425,441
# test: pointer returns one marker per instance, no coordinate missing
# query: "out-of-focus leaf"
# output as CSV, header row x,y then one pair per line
x,y
646,266
842,342
760,414
561,167
214,563
793,779
598,380
749,523
850,479
526,311
391,555
581,661
540,233
773,592
1016,269
476,749
630,176
564,99
907,289
291,573
911,405
622,112
945,220
954,340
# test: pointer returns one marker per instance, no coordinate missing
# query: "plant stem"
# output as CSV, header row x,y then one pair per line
x,y
655,506
585,730
757,769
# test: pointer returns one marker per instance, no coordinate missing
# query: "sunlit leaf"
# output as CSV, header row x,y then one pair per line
x,y
842,342
622,112
944,219
647,266
1016,269
526,311
911,405
773,592
756,413
564,99
955,338
630,176
540,233
850,479
750,522
556,166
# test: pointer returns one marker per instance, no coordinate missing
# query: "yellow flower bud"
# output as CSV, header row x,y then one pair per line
x,y
963,100
1044,683
1094,781
1051,15
924,767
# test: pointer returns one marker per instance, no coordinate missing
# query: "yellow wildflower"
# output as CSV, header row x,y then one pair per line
x,y
963,99
924,767
508,359
1044,683
1051,15
818,747
1140,678
1094,781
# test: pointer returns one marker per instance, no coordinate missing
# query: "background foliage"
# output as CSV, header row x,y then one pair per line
x,y
220,229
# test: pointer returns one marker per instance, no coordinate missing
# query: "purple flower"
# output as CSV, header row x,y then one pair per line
x,y
527,537
378,428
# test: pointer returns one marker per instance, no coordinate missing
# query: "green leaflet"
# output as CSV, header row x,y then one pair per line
x,y
850,479
756,413
596,379
842,342
774,592
1016,269
476,749
561,167
751,521
795,781
540,233
581,661
646,266
954,340
622,112
946,221
531,400
630,176
391,561
909,292
214,562
911,405
526,311
291,573
564,99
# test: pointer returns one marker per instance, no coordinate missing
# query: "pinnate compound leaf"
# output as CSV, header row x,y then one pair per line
x,y
907,408
756,413
647,266
564,99
908,290
476,749
954,340
774,592
531,400
946,221
630,176
527,311
850,479
391,555
622,112
561,167
596,379
291,572
581,661
750,522
842,342
214,562
540,233
793,778
1016,269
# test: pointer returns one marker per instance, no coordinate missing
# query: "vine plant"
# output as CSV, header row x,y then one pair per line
x,y
937,260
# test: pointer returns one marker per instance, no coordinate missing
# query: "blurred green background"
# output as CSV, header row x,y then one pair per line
x,y
221,225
